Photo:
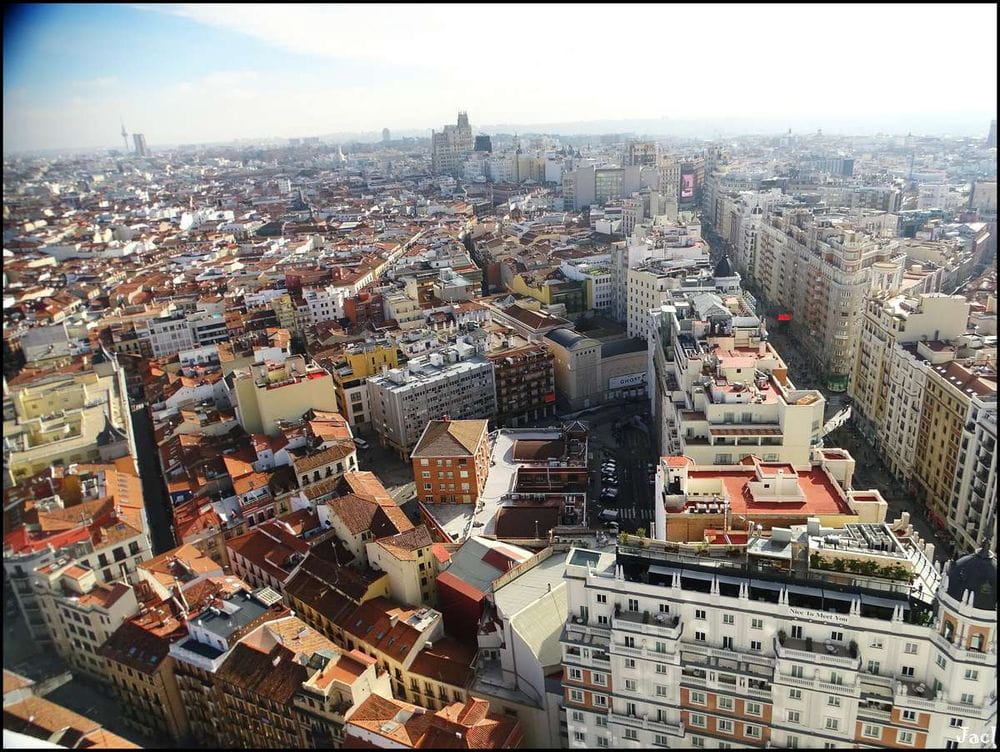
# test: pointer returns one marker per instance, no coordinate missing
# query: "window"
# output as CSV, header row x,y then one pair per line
x,y
871,731
832,724
907,670
751,731
697,698
836,678
967,699
630,685
633,604
955,723
664,608
876,642
696,719
728,619
699,636
727,643
601,700
579,736
576,695
660,739
599,679
797,632
904,737
971,674
577,716
602,721
793,716
833,701
629,663
837,636
724,726
756,624
699,613
798,672
661,668
601,598
911,648
795,694
725,703
752,708
631,734
661,691
602,741
755,646
575,674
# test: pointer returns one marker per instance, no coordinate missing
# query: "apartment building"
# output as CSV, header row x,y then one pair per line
x,y
666,649
409,560
820,269
451,461
902,337
953,392
456,382
266,393
972,513
74,546
141,672
720,391
351,370
525,383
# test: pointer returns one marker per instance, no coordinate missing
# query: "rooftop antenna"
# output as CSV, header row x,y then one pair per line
x,y
124,134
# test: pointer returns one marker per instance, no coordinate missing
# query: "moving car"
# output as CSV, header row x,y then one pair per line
x,y
607,515
361,443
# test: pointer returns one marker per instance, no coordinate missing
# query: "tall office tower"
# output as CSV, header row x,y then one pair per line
x,y
991,139
452,146
664,650
140,145
125,137
386,136
641,153
484,144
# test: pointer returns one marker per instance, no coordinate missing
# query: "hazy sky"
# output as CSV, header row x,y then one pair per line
x,y
187,73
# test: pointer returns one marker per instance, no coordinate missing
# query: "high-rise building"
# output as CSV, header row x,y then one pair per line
x,y
451,461
639,153
665,650
386,136
484,143
451,146
140,145
991,139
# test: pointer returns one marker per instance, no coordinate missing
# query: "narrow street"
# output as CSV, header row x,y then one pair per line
x,y
158,511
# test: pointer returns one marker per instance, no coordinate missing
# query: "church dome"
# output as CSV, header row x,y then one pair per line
x,y
723,268
976,572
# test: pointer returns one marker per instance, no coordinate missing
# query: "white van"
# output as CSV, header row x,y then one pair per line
x,y
361,443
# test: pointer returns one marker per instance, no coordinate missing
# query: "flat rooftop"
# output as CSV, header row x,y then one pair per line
x,y
821,495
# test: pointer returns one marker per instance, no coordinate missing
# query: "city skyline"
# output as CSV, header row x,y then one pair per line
x,y
263,73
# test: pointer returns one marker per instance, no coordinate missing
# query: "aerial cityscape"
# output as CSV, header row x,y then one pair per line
x,y
361,393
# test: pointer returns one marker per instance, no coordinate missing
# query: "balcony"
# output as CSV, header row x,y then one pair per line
x,y
826,653
654,625
643,722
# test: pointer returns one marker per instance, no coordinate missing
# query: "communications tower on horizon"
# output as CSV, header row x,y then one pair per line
x,y
124,135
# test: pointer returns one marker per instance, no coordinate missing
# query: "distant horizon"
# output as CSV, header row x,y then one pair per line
x,y
525,129
195,74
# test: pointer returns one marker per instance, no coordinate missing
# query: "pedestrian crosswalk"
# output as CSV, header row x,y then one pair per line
x,y
631,513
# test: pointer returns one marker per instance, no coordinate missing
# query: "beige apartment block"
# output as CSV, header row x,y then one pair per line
x,y
902,336
268,393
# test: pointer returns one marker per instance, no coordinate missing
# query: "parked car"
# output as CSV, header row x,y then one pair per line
x,y
361,443
608,515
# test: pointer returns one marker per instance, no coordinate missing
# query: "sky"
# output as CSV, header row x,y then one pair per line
x,y
206,73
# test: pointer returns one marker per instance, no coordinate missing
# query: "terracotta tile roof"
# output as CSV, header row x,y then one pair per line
x,y
271,548
361,514
144,640
13,682
333,453
451,438
365,483
404,546
42,719
449,661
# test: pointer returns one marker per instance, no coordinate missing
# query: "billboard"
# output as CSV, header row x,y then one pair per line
x,y
627,380
687,185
